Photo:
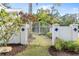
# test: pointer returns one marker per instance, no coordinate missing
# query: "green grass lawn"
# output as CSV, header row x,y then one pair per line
x,y
38,47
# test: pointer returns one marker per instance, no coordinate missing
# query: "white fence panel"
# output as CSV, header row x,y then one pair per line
x,y
64,32
15,39
21,37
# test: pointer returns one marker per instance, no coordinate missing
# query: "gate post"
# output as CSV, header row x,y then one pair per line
x,y
24,34
54,34
74,29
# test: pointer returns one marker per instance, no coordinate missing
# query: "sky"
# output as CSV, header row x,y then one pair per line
x,y
64,8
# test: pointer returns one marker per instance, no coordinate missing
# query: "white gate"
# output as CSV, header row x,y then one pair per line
x,y
40,29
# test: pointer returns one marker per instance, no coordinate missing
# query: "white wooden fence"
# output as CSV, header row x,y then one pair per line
x,y
64,32
21,37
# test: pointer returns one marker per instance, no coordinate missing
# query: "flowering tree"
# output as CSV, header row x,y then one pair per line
x,y
9,24
27,17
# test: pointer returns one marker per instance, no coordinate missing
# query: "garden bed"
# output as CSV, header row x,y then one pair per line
x,y
16,48
54,52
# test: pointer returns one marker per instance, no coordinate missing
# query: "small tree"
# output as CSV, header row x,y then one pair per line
x,y
49,17
9,24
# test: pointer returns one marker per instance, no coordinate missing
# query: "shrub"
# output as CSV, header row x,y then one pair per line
x,y
76,42
72,45
9,25
59,44
77,45
69,45
76,49
49,34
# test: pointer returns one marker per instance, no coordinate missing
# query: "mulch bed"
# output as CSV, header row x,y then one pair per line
x,y
15,49
52,51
